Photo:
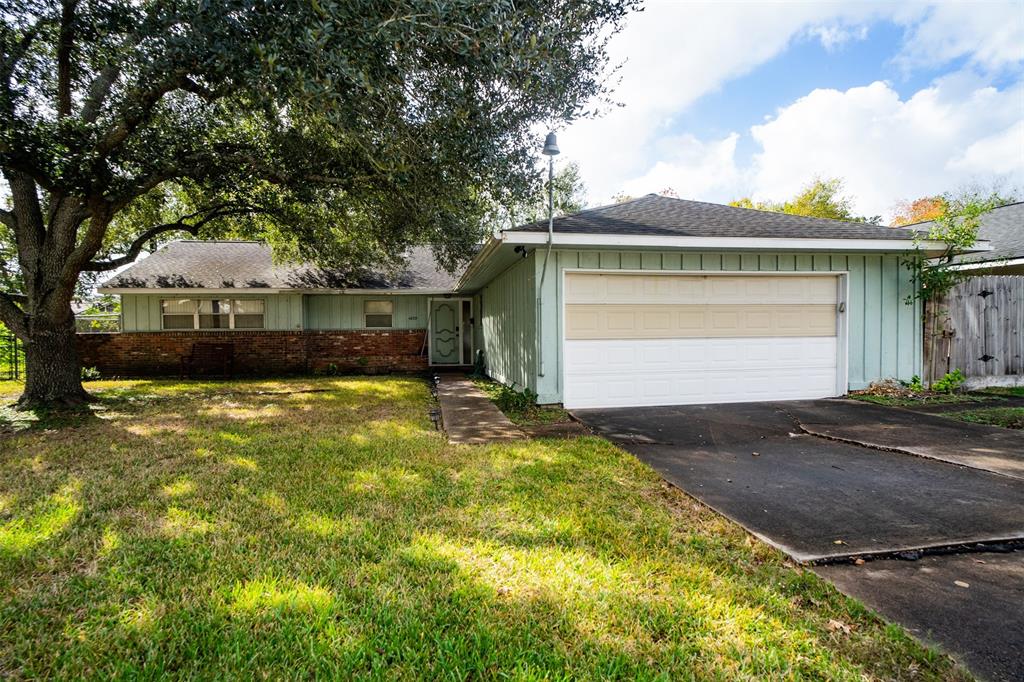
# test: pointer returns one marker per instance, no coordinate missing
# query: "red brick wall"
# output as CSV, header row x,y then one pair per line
x,y
265,353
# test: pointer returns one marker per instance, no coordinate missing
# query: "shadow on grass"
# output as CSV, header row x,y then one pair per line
x,y
335,534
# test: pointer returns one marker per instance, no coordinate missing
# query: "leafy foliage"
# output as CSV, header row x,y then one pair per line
x,y
950,383
918,211
957,227
820,198
569,197
341,133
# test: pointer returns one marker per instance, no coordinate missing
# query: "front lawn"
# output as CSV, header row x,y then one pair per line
x,y
322,528
1007,417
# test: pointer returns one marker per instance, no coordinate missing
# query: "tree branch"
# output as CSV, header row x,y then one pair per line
x,y
98,91
12,315
135,248
8,219
65,44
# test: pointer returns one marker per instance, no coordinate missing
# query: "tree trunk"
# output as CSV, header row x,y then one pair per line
x,y
53,374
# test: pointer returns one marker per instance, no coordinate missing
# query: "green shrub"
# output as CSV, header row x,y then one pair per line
x,y
950,383
511,400
914,385
90,374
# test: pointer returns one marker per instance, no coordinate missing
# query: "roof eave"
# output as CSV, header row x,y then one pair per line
x,y
584,240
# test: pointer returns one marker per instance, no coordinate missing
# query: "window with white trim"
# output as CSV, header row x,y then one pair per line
x,y
212,313
378,314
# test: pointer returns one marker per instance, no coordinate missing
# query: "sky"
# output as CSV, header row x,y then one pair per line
x,y
720,100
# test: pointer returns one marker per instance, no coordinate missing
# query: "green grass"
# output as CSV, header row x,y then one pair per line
x,y
1014,391
1007,417
519,408
322,528
924,399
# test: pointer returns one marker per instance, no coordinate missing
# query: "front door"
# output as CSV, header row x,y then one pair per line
x,y
445,332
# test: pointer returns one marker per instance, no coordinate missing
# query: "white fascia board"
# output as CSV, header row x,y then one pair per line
x,y
715,243
987,264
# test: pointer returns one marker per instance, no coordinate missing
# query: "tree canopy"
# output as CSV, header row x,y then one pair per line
x,y
819,198
339,132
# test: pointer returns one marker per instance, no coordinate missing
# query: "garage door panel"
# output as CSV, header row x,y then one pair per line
x,y
681,371
705,289
647,321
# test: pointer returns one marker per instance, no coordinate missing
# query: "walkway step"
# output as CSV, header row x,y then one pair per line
x,y
468,415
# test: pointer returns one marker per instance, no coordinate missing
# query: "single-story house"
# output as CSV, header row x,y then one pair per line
x,y
651,301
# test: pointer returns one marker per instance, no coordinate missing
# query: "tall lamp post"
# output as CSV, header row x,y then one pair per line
x,y
550,150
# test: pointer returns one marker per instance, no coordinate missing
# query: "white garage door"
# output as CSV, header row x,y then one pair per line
x,y
634,340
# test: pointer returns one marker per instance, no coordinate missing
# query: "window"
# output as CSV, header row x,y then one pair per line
x,y
212,313
215,314
378,313
178,314
248,314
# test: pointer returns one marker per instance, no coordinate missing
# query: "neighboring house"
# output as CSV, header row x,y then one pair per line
x,y
647,302
1003,229
979,325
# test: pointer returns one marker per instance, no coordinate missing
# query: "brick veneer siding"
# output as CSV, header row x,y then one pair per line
x,y
264,353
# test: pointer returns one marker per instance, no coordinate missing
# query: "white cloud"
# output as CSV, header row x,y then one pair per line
x,y
674,53
692,169
989,34
888,149
836,35
677,52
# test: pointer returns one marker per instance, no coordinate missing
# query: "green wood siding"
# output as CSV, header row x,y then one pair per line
x,y
141,312
345,311
507,314
884,332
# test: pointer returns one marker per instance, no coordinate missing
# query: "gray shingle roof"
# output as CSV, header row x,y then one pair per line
x,y
250,265
665,216
1003,227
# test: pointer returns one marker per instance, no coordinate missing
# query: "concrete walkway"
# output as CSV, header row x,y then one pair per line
x,y
468,415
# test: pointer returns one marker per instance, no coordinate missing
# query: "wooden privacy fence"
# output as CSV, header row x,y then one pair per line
x,y
978,328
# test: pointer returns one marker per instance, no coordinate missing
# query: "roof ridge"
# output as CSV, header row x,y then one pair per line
x,y
588,209
792,215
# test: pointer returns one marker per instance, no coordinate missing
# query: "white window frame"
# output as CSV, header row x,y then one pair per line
x,y
379,300
195,314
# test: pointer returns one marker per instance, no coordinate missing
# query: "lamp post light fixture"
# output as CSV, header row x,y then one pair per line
x,y
550,150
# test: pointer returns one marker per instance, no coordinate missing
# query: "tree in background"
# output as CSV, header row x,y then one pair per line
x,y
569,197
918,211
820,198
341,133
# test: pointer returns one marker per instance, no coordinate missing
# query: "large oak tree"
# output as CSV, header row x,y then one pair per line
x,y
340,131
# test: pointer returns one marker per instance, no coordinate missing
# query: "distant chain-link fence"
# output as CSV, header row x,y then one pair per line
x,y
12,357
98,324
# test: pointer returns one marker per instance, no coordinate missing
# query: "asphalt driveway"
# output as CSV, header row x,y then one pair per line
x,y
817,499
824,499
